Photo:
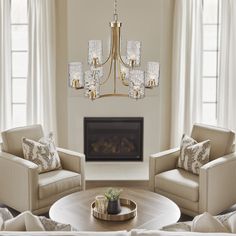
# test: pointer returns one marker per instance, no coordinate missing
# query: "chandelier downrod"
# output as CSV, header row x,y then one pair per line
x,y
115,15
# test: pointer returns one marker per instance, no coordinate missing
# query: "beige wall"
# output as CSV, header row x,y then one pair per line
x,y
61,72
149,21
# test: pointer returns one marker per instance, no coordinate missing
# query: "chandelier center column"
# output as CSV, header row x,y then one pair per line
x,y
115,30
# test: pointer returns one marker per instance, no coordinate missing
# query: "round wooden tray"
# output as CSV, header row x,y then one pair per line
x,y
128,211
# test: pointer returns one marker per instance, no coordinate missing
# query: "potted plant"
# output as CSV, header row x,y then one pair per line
x,y
113,197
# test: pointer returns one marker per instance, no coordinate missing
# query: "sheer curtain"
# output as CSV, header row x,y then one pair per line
x,y
186,68
227,82
5,65
41,96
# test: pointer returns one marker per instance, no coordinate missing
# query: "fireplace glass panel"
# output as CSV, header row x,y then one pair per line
x,y
113,139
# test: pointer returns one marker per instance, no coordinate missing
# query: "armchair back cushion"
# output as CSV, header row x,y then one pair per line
x,y
221,139
12,139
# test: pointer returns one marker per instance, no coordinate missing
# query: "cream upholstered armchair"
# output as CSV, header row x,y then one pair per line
x,y
22,188
214,190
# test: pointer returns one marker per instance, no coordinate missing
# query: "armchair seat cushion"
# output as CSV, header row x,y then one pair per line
x,y
180,183
57,181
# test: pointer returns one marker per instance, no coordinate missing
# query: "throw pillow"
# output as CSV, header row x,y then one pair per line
x,y
193,155
178,227
228,220
207,223
51,225
5,214
43,153
25,221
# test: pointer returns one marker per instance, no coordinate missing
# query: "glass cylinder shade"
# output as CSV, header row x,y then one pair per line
x,y
124,71
76,79
136,84
152,74
92,85
95,52
134,52
98,70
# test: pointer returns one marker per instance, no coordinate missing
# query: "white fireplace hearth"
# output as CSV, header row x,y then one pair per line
x,y
116,171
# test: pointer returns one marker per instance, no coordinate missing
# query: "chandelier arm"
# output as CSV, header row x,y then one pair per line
x,y
109,73
102,64
114,95
108,58
123,63
124,82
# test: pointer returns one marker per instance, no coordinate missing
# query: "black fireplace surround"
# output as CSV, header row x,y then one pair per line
x,y
113,138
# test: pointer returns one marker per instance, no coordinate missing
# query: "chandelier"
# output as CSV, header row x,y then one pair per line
x,y
125,68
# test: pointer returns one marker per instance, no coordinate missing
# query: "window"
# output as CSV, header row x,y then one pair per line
x,y
19,59
210,76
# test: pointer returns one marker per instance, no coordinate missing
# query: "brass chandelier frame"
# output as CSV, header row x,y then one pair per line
x,y
115,60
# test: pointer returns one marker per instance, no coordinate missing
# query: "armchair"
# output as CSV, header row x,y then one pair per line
x,y
22,188
213,190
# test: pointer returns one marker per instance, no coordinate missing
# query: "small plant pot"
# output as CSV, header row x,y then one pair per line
x,y
113,207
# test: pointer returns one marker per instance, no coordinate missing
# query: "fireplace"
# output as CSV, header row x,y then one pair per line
x,y
113,139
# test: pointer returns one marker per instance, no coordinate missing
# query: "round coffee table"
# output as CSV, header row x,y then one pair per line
x,y
153,211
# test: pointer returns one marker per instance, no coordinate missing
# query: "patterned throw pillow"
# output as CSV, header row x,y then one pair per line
x,y
207,223
178,227
51,225
43,153
193,155
228,220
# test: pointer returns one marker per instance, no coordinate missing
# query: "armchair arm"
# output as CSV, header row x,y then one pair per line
x,y
73,161
160,162
217,184
18,182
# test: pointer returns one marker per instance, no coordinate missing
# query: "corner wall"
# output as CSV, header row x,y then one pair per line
x,y
149,21
61,72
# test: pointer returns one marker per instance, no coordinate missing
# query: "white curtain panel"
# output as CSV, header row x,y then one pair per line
x,y
41,92
227,81
5,65
186,68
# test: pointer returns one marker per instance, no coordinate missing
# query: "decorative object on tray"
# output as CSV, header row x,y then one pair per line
x,y
101,204
113,197
128,211
111,207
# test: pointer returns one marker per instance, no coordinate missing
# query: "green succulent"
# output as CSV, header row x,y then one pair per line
x,y
113,194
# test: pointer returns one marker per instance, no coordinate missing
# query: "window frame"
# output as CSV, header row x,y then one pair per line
x,y
217,51
13,77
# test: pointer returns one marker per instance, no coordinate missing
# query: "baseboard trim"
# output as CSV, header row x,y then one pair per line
x,y
140,184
